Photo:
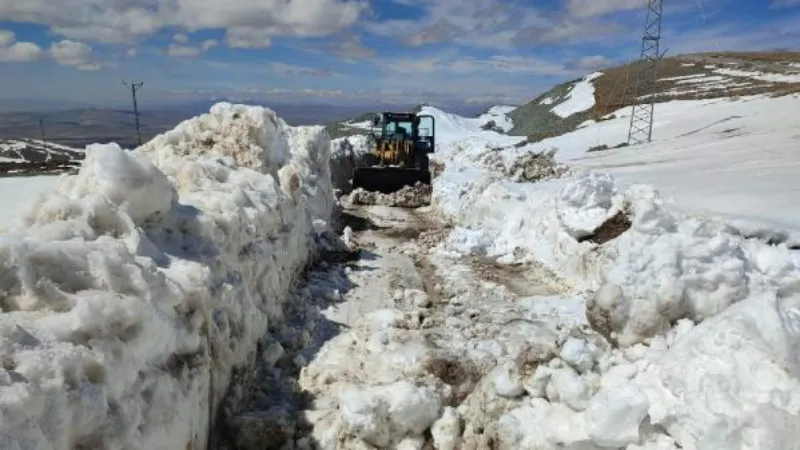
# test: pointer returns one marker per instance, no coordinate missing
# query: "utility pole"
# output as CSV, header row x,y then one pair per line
x,y
641,129
41,127
135,87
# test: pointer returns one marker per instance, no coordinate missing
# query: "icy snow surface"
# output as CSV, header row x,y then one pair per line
x,y
580,97
131,293
699,321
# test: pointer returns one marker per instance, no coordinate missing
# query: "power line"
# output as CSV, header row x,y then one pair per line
x,y
135,87
641,128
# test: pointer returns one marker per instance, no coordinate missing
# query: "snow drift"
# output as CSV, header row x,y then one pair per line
x,y
132,292
699,320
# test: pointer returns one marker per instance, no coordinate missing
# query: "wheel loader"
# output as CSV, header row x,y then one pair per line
x,y
401,143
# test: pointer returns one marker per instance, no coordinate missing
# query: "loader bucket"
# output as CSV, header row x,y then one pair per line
x,y
388,179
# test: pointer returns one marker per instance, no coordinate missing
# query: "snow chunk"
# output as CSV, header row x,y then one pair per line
x,y
613,417
128,181
579,354
446,431
506,381
381,414
568,387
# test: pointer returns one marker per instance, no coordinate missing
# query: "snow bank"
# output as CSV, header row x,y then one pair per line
x,y
667,266
699,320
133,291
729,383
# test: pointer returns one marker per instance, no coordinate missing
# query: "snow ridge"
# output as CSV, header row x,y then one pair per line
x,y
132,291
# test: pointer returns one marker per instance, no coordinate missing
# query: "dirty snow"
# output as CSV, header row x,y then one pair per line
x,y
134,290
580,97
407,197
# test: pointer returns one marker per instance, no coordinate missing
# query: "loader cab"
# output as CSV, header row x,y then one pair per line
x,y
420,128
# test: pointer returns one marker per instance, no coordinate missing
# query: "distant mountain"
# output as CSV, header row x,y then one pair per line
x,y
29,157
684,77
20,104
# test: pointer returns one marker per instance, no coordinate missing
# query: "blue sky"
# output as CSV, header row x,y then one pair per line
x,y
350,51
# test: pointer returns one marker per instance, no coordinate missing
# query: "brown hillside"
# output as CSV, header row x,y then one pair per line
x,y
615,89
685,77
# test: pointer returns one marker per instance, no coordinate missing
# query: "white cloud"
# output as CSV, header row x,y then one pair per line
x,y
489,24
590,63
475,23
596,8
291,69
243,37
73,53
180,37
20,52
450,63
208,44
116,21
132,52
6,38
183,51
11,51
190,51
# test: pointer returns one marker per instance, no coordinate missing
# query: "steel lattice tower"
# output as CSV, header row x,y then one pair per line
x,y
641,129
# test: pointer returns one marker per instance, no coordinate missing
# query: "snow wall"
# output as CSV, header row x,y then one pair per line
x,y
131,294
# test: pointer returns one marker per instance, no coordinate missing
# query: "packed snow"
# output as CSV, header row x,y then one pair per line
x,y
132,291
580,97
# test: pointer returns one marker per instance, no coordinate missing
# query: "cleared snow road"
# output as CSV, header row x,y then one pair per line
x,y
402,324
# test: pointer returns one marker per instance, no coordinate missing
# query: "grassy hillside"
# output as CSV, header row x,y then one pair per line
x,y
685,77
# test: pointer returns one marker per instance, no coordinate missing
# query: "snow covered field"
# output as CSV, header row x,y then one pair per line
x,y
732,158
131,294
